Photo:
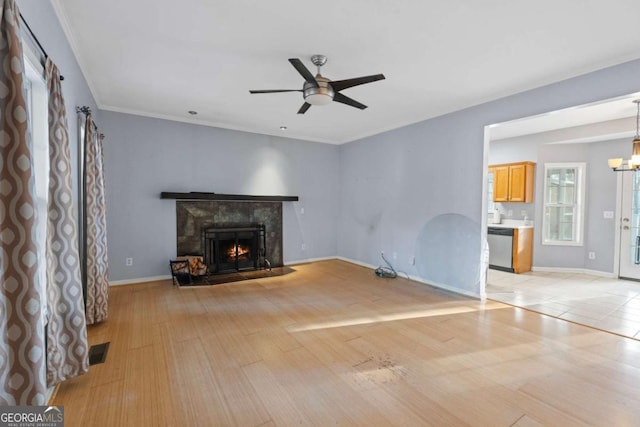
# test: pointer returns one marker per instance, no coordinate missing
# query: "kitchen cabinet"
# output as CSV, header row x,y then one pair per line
x,y
522,250
513,182
510,248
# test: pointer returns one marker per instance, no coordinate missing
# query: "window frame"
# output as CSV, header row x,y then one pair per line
x,y
38,124
491,179
578,204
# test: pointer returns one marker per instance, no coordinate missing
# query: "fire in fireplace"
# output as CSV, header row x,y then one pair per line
x,y
229,249
194,217
241,252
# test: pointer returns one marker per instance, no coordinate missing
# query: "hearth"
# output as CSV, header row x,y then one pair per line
x,y
228,249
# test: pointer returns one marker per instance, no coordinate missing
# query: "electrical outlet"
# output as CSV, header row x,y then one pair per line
x,y
510,213
592,255
523,212
128,262
412,260
301,211
303,247
395,255
608,214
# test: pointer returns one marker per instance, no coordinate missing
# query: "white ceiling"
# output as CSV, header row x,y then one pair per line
x,y
162,58
598,113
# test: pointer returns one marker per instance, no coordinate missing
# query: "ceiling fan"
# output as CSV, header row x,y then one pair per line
x,y
319,90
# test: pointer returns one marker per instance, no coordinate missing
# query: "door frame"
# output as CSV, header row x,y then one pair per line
x,y
618,225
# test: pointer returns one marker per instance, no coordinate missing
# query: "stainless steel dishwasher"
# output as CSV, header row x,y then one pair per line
x,y
500,248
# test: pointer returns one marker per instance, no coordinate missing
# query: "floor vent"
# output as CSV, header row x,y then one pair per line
x,y
98,353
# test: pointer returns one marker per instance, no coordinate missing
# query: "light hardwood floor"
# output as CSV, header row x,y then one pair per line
x,y
331,344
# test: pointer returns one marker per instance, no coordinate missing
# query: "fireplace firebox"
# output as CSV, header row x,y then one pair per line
x,y
194,218
228,249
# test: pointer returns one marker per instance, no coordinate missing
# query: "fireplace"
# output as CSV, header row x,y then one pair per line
x,y
205,228
228,249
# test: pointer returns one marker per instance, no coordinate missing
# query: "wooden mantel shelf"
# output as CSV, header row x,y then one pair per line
x,y
194,195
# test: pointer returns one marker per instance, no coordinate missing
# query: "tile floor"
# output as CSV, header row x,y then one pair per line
x,y
609,304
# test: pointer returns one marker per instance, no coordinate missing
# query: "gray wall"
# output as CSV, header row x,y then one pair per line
x,y
599,232
514,150
394,184
600,196
559,256
145,156
601,189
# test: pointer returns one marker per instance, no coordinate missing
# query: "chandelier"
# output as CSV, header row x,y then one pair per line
x,y
621,165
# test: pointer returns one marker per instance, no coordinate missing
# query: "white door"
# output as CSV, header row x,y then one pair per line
x,y
630,226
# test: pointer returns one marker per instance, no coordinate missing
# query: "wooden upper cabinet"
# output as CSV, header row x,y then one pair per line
x,y
513,182
517,183
500,183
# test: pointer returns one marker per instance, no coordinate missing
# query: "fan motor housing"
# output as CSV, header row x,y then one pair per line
x,y
321,95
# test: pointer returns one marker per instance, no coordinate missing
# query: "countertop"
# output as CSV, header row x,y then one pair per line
x,y
512,223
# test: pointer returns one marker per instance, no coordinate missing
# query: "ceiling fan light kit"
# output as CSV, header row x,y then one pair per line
x,y
319,90
633,164
320,95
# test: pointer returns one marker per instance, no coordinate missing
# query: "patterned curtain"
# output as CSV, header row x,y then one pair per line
x,y
67,347
22,362
97,293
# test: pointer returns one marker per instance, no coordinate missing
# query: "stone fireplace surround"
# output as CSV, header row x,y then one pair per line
x,y
195,216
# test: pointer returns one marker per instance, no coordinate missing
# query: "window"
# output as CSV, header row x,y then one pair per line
x,y
36,92
562,221
490,205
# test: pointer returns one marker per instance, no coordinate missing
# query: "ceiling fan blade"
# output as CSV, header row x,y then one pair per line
x,y
304,71
338,85
275,91
304,108
338,97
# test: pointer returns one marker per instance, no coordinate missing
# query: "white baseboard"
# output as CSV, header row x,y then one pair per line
x,y
445,287
308,260
305,261
353,261
576,271
168,276
420,280
139,280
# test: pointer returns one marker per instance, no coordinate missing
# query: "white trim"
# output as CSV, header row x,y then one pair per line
x,y
139,280
37,103
448,288
576,271
442,286
142,280
33,60
308,260
485,204
578,205
211,123
618,219
353,261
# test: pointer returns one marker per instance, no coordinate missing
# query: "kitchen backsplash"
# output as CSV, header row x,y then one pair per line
x,y
515,211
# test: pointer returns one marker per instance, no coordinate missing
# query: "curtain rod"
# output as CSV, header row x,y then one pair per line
x,y
35,39
86,110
